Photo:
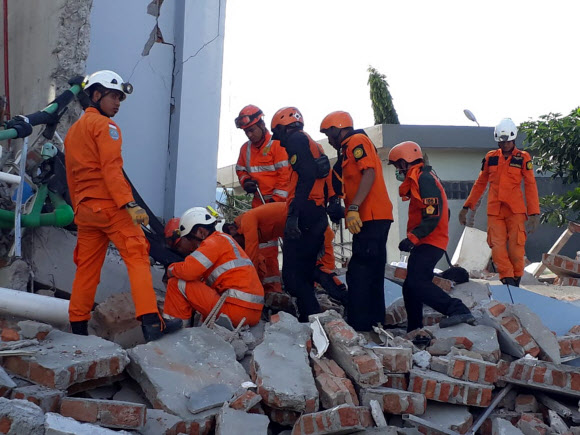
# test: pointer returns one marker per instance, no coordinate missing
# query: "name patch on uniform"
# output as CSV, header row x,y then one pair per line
x,y
529,165
517,162
430,201
293,159
113,132
493,161
359,152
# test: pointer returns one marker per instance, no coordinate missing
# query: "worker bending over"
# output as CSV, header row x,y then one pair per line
x,y
368,217
263,171
306,219
105,209
267,222
507,210
427,238
217,266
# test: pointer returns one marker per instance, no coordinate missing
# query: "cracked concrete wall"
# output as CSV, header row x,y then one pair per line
x,y
170,123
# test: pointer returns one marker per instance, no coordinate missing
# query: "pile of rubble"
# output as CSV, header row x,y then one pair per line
x,y
504,375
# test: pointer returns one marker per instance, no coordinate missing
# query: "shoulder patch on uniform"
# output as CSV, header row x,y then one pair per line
x,y
113,132
293,159
359,152
529,165
430,201
493,161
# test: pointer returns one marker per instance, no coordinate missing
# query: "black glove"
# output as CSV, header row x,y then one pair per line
x,y
22,127
251,186
76,80
335,210
406,245
291,231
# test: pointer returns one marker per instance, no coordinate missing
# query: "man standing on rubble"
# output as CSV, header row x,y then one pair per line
x,y
368,217
507,210
267,222
306,219
217,269
263,171
427,238
105,209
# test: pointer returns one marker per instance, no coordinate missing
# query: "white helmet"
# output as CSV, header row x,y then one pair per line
x,y
195,216
109,80
505,131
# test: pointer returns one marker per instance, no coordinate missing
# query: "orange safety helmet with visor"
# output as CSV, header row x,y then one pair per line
x,y
249,116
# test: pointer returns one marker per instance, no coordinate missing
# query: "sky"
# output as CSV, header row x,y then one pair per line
x,y
509,58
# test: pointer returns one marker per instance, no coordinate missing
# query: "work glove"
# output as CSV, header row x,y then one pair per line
x,y
138,215
533,223
335,210
291,231
353,222
406,245
21,125
463,216
251,186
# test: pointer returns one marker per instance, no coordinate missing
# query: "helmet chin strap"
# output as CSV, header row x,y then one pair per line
x,y
97,104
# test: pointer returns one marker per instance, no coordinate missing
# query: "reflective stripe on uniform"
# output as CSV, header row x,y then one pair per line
x,y
254,169
269,244
281,193
240,168
205,262
243,296
281,164
271,279
266,168
240,261
181,286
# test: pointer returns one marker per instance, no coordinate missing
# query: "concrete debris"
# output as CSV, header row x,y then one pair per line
x,y
422,359
231,421
20,417
532,425
448,417
483,339
47,399
377,413
340,420
56,424
504,427
108,413
209,397
556,423
394,401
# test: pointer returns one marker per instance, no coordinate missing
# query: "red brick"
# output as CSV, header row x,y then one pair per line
x,y
473,374
539,374
524,338
400,273
534,351
464,341
430,389
9,334
397,381
5,424
417,384
575,381
472,394
245,401
41,375
511,324
485,398
392,404
365,364
558,378
108,413
79,410
458,368
490,374
574,330
565,347
497,309
444,392
308,425
517,371
576,345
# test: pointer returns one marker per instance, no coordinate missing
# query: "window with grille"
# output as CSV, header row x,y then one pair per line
x,y
457,189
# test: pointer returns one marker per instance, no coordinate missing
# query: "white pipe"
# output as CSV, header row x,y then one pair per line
x,y
10,178
34,307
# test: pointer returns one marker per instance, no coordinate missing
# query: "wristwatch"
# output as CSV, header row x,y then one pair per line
x,y
353,207
131,204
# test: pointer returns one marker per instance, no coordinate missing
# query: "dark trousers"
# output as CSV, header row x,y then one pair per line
x,y
365,276
418,288
299,261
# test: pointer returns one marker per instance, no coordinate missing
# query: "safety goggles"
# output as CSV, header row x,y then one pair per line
x,y
243,120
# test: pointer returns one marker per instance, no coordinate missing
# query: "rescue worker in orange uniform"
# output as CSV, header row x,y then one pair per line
x,y
105,209
263,164
267,222
507,210
368,217
306,219
218,266
427,238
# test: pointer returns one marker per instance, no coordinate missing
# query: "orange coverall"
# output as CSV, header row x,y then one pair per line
x,y
506,206
98,191
219,265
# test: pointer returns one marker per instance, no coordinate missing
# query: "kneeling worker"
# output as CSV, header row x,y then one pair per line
x,y
217,266
427,238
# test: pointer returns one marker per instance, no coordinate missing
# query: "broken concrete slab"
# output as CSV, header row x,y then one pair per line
x,y
449,417
548,343
161,423
171,368
556,423
542,375
63,360
231,421
56,424
48,399
30,329
209,397
562,265
531,425
472,293
333,386
483,338
285,345
472,252
504,427
20,417
442,388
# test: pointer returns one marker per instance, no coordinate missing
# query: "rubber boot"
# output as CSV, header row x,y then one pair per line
x,y
80,328
456,320
514,282
518,279
154,327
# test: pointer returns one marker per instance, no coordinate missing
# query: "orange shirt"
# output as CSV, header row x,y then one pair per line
x,y
359,153
505,177
268,165
222,264
428,222
94,165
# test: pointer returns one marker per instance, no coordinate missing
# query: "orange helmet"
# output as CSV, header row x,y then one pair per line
x,y
408,151
338,119
287,116
172,232
249,116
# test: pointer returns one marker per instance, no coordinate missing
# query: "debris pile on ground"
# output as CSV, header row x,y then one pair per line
x,y
509,373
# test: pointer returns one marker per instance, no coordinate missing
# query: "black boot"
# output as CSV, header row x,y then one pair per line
x,y
514,282
80,328
518,279
154,327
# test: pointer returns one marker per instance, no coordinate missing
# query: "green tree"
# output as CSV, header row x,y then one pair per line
x,y
554,140
381,99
